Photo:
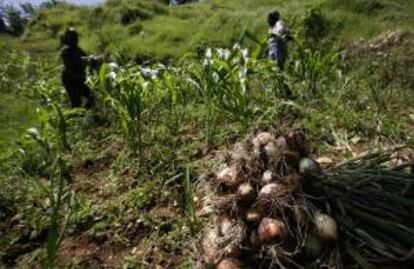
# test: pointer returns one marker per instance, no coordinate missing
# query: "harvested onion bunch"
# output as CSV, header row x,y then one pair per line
x,y
260,213
269,202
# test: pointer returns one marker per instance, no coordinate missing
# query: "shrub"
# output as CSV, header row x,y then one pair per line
x,y
316,27
135,28
131,14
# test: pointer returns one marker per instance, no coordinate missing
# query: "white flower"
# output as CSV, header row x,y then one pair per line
x,y
245,54
242,73
113,65
209,54
207,63
111,75
227,54
223,54
146,71
193,82
220,53
243,85
236,46
33,131
154,74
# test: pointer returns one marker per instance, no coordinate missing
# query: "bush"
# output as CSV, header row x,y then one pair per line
x,y
131,14
319,31
135,28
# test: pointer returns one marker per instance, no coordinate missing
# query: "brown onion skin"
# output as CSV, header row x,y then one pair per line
x,y
271,230
229,177
226,224
263,138
232,251
246,192
254,215
273,190
293,180
230,264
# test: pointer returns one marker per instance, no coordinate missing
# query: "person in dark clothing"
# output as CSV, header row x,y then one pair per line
x,y
75,61
278,38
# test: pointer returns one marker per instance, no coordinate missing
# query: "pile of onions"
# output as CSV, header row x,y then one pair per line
x,y
261,215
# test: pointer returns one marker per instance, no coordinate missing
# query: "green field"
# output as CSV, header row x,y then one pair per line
x,y
116,187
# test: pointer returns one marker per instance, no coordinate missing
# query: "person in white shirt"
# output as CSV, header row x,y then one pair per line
x,y
278,38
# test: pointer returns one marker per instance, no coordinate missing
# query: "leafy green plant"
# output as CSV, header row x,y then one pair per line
x,y
58,195
130,103
143,196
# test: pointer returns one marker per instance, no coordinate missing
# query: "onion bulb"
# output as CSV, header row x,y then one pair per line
x,y
263,139
273,153
272,189
226,225
308,166
246,192
267,177
253,215
271,230
228,176
229,264
281,143
211,251
325,227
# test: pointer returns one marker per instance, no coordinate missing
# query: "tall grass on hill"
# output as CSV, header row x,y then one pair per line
x,y
132,27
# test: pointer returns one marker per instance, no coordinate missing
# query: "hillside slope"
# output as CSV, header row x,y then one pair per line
x,y
143,29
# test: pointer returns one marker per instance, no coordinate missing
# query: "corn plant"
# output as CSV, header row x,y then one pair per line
x,y
205,80
167,84
129,101
58,196
236,97
312,68
50,138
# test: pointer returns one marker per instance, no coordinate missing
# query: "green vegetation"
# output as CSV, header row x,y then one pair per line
x,y
130,28
115,186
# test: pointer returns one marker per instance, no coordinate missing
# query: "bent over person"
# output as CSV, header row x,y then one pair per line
x,y
75,61
278,37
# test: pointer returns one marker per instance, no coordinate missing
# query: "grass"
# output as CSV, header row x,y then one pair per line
x,y
17,116
131,28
